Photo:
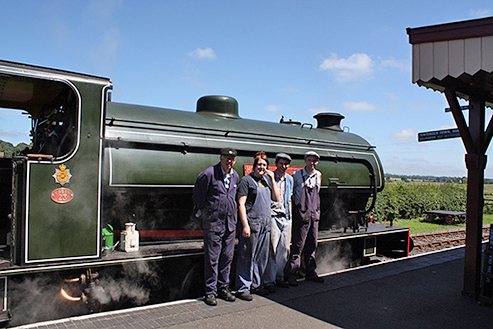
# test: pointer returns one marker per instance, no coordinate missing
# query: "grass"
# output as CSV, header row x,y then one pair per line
x,y
420,225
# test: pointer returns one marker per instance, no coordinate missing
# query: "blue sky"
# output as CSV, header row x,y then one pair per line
x,y
290,58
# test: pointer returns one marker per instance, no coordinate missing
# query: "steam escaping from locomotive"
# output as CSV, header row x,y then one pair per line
x,y
334,258
130,286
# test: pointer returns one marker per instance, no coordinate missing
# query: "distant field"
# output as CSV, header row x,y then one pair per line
x,y
420,225
406,198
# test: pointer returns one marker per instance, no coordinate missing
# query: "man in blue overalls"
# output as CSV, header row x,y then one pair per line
x,y
215,197
306,216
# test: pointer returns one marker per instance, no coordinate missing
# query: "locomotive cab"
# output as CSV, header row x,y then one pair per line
x,y
51,108
45,184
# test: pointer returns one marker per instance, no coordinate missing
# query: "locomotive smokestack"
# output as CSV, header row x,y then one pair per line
x,y
329,120
220,105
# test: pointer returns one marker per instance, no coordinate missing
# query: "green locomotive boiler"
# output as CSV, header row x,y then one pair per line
x,y
95,165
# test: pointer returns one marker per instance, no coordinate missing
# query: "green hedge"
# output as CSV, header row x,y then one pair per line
x,y
411,200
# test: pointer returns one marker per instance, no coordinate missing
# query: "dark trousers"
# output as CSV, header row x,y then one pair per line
x,y
305,235
218,255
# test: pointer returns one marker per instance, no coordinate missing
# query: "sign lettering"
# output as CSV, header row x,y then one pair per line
x,y
438,134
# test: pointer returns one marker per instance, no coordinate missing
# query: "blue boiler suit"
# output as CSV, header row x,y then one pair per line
x,y
253,252
219,213
306,217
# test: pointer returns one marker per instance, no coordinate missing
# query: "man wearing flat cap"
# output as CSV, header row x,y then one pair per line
x,y
280,232
214,195
306,216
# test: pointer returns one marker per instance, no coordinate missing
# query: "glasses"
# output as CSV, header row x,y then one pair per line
x,y
312,161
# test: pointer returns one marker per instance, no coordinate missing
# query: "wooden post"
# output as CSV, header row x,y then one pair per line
x,y
476,144
475,163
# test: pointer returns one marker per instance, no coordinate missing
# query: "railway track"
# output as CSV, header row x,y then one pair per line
x,y
428,242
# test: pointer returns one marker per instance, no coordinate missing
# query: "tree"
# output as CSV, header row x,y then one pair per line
x,y
9,149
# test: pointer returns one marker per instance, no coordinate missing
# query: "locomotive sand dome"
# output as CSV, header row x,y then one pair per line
x,y
94,163
154,156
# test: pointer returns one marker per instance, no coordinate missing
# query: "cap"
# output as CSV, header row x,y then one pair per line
x,y
313,153
283,156
229,151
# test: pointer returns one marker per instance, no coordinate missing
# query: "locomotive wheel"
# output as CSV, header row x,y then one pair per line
x,y
450,220
429,218
193,283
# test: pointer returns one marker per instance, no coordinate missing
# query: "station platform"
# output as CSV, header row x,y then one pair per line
x,y
423,291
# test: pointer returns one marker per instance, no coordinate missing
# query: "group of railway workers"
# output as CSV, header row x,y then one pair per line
x,y
275,210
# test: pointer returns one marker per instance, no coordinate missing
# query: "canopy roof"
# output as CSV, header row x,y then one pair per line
x,y
457,55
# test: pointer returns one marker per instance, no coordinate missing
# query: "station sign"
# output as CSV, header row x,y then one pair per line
x,y
438,134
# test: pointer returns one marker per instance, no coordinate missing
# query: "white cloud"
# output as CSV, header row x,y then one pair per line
x,y
356,67
360,66
273,108
392,96
200,53
191,70
480,12
391,62
360,107
99,19
424,166
405,135
106,54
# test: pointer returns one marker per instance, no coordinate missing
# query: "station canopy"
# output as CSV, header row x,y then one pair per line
x,y
455,55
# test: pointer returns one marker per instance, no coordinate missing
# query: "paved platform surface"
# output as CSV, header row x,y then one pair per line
x,y
416,292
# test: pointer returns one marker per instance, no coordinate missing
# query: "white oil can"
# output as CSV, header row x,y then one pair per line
x,y
129,240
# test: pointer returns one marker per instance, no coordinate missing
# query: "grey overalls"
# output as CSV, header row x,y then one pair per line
x,y
253,252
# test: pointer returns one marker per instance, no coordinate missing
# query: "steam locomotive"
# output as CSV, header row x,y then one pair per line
x,y
94,166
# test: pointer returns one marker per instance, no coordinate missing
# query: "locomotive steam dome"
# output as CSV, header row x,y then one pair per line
x,y
329,120
220,105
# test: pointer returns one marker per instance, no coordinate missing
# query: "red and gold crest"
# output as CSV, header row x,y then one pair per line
x,y
62,175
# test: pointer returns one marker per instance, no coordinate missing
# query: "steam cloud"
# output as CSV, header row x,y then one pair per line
x,y
126,287
38,299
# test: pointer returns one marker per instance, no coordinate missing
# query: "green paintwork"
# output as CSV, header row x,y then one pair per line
x,y
159,152
61,230
133,166
44,229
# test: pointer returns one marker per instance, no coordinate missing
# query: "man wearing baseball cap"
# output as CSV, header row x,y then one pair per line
x,y
215,197
280,232
306,216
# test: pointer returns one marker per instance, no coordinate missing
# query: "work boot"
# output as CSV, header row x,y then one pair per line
x,y
282,284
210,299
315,278
245,295
292,281
261,291
225,293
